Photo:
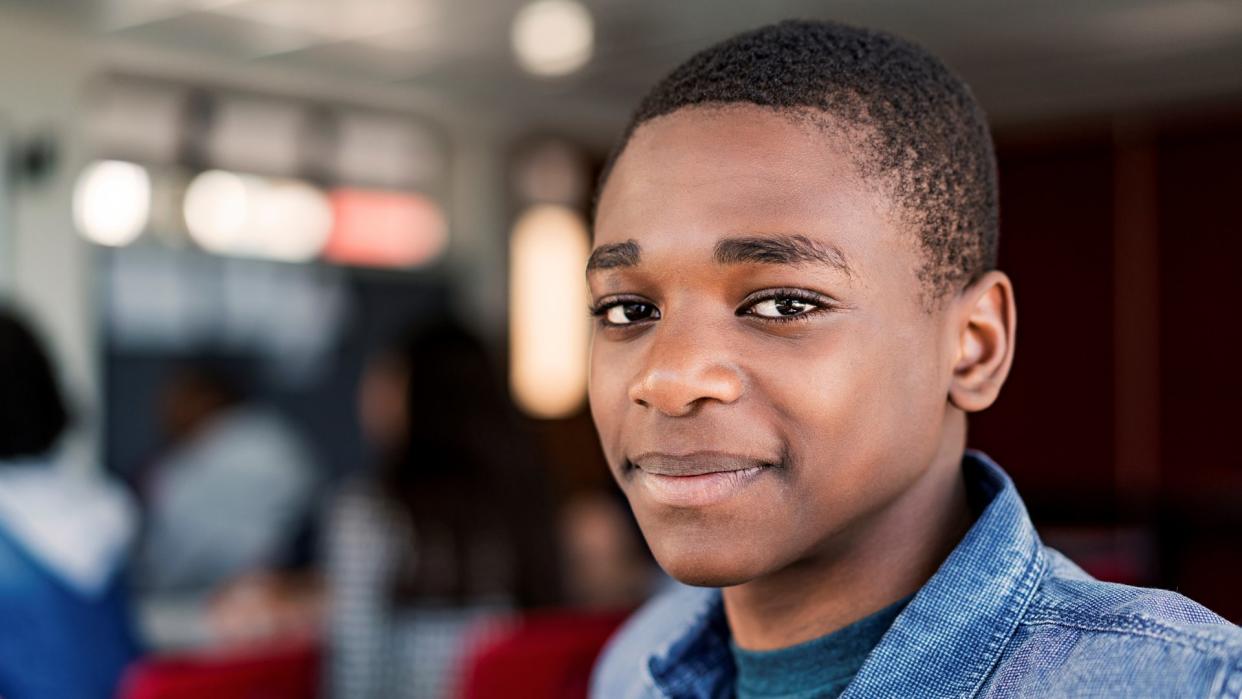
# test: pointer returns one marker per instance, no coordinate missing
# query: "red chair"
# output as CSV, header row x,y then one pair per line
x,y
287,671
548,655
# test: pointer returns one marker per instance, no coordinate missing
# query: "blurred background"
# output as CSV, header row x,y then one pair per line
x,y
266,244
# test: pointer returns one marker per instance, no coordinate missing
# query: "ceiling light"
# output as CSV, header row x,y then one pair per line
x,y
112,202
548,329
553,37
215,210
251,216
292,222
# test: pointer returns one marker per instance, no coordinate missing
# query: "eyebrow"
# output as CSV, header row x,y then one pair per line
x,y
766,249
614,255
781,250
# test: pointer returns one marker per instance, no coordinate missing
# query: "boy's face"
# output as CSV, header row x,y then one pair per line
x,y
765,375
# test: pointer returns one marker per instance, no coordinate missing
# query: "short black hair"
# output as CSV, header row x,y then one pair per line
x,y
32,410
916,128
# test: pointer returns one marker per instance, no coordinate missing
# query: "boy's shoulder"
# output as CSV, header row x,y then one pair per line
x,y
621,670
1082,636
1069,596
1077,637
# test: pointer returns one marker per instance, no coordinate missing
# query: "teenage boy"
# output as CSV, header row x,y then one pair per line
x,y
797,307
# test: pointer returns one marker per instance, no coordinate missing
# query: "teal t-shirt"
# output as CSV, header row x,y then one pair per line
x,y
819,668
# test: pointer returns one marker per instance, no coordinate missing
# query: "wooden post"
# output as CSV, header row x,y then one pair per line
x,y
1136,319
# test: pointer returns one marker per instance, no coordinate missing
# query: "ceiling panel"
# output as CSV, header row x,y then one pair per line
x,y
1025,59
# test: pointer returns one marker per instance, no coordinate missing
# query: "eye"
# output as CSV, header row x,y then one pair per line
x,y
627,312
786,305
782,307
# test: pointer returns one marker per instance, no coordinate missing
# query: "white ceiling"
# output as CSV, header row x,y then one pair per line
x,y
1026,60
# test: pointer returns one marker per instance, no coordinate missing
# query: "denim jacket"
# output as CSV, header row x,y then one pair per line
x,y
1004,616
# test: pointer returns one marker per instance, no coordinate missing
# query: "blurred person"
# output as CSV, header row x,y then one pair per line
x,y
797,308
228,499
606,565
65,532
270,606
449,534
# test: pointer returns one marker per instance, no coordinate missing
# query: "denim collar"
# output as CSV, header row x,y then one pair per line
x,y
945,642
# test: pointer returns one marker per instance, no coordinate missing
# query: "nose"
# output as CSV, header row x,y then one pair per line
x,y
682,374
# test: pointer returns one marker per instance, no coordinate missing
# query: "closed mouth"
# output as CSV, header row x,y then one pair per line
x,y
696,463
695,480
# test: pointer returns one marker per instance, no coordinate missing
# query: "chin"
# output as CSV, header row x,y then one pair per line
x,y
701,577
703,564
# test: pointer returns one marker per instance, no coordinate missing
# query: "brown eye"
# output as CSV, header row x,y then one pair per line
x,y
782,307
630,312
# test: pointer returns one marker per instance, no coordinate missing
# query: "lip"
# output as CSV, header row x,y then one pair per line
x,y
697,479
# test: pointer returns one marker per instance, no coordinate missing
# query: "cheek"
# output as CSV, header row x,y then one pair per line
x,y
866,406
607,394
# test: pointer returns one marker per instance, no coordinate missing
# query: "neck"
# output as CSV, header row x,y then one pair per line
x,y
889,557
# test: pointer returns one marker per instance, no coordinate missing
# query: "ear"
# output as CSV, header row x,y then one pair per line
x,y
985,321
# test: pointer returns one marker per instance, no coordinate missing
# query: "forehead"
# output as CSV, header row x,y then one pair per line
x,y
689,178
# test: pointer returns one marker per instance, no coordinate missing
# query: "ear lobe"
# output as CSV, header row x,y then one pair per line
x,y
986,327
